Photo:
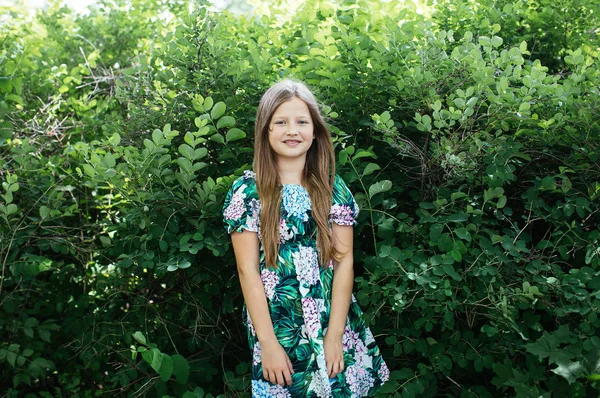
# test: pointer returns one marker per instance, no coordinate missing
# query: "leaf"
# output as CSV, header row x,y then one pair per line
x,y
463,233
44,211
185,165
115,139
363,154
166,369
139,337
501,202
44,334
234,134
379,187
218,110
157,358
343,157
163,245
157,137
225,121
109,160
181,368
217,138
569,370
11,357
496,41
208,103
370,168
544,346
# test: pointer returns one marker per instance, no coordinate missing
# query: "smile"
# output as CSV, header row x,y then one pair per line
x,y
291,142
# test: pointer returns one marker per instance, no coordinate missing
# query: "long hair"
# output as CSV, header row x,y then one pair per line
x,y
318,174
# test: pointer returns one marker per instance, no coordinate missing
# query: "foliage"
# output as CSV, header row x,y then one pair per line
x,y
475,165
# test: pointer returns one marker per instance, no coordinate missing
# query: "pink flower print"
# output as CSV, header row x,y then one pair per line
x,y
384,372
236,207
284,232
311,317
307,265
348,339
342,215
278,391
270,280
359,380
256,354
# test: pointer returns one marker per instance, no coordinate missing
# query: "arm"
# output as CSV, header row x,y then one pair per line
x,y
343,279
277,367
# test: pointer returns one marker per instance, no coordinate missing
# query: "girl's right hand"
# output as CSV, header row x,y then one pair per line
x,y
276,365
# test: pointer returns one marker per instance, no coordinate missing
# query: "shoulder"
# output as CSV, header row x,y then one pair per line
x,y
339,185
246,182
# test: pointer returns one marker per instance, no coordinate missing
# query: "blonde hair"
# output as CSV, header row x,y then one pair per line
x,y
318,174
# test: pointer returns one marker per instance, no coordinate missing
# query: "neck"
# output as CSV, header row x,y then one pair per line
x,y
290,171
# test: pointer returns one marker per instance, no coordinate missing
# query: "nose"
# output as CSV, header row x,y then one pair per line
x,y
292,129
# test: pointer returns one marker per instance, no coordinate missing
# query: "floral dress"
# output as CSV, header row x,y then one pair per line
x,y
298,294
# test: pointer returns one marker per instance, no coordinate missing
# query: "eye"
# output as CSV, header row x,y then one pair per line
x,y
304,121
279,122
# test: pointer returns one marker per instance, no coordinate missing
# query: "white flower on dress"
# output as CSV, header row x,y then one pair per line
x,y
369,337
278,391
359,380
296,201
236,207
249,174
311,317
306,262
250,324
253,219
320,386
261,389
256,354
384,372
270,280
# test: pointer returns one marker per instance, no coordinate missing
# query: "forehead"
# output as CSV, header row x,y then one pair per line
x,y
292,108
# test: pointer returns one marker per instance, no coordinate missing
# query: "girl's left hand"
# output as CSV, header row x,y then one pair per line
x,y
334,355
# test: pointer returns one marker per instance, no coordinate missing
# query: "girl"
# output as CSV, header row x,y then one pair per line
x,y
291,222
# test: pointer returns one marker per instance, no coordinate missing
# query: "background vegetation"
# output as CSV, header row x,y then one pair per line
x,y
469,133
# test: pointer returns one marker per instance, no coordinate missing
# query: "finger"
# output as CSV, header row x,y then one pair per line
x,y
335,369
329,365
272,377
265,374
280,378
288,377
290,366
342,366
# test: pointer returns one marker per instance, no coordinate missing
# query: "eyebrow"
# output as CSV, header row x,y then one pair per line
x,y
285,117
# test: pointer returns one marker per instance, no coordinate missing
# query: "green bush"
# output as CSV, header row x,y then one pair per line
x,y
475,165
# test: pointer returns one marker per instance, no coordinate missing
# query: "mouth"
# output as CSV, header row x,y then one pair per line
x,y
291,142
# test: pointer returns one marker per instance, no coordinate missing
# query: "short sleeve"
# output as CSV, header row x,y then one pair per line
x,y
344,209
241,208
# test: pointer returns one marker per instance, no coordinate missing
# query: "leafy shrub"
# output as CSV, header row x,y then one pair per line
x,y
476,169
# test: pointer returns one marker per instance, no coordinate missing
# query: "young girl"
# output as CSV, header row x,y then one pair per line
x,y
291,222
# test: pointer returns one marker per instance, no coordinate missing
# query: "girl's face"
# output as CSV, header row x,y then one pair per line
x,y
291,130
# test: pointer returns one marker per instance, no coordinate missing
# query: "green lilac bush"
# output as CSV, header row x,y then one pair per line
x,y
469,139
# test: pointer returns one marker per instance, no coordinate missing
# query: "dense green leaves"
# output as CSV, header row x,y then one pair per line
x,y
469,139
